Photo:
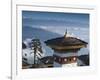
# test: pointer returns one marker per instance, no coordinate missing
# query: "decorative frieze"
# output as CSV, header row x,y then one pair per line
x,y
65,60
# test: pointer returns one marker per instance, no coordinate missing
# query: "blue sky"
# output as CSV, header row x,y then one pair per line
x,y
49,19
56,22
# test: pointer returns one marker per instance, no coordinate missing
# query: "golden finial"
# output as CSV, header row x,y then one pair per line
x,y
65,33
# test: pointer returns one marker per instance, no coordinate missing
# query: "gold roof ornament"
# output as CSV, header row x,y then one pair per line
x,y
65,35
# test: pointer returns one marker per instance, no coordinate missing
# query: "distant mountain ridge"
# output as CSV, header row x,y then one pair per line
x,y
30,32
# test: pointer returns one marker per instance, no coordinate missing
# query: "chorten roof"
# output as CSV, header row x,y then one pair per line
x,y
66,42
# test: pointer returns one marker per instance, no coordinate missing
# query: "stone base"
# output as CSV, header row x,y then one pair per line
x,y
55,64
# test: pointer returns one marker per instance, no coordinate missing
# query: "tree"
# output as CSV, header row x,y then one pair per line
x,y
36,46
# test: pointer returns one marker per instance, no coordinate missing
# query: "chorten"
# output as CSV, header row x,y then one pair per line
x,y
65,50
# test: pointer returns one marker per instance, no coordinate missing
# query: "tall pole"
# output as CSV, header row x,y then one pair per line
x,y
34,54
